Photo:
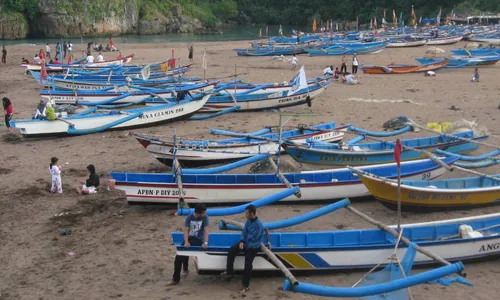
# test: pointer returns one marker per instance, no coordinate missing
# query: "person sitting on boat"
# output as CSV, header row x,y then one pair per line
x,y
328,71
100,58
90,58
57,62
25,61
181,95
91,184
119,56
476,75
252,236
196,229
40,111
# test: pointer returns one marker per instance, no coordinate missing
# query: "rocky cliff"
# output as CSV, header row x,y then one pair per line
x,y
64,18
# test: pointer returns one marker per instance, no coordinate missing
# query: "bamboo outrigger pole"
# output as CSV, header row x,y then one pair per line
x,y
282,177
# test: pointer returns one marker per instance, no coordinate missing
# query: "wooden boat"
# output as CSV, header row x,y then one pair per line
x,y
208,152
93,121
442,194
461,62
379,152
119,94
444,40
353,249
404,69
239,188
405,43
62,67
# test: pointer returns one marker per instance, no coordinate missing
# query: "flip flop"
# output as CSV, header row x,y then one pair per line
x,y
244,290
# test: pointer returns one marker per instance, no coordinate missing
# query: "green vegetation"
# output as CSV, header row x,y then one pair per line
x,y
28,8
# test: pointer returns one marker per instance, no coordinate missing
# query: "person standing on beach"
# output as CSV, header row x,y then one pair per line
x,y
476,76
251,238
47,50
55,172
112,45
4,55
355,64
8,111
195,234
294,62
191,52
65,49
343,67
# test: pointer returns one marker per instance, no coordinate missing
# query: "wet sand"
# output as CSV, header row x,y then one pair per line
x,y
125,252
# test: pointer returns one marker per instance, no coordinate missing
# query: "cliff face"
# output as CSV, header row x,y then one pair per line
x,y
74,18
12,25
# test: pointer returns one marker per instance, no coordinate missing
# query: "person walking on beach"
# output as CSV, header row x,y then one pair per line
x,y
112,45
191,52
195,234
251,238
91,184
8,111
355,64
343,67
55,172
47,50
4,55
294,62
476,76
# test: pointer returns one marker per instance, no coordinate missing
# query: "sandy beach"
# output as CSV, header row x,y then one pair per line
x,y
118,251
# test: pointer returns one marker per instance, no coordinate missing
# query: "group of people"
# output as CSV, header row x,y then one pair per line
x,y
99,48
196,233
342,75
88,186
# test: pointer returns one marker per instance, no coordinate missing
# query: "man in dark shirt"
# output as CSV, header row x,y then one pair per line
x,y
181,95
196,234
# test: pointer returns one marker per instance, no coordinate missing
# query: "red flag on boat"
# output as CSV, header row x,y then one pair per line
x,y
397,152
43,71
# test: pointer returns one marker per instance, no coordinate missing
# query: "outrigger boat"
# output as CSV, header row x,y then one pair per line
x,y
380,152
353,249
404,69
444,40
208,152
239,188
78,63
121,94
94,121
444,194
401,43
460,62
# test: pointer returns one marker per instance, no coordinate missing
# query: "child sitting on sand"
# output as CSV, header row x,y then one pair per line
x,y
55,172
91,184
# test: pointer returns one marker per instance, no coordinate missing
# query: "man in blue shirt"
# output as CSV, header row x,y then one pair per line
x,y
251,238
196,234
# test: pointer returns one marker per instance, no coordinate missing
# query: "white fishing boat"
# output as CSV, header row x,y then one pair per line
x,y
60,68
201,153
444,40
240,188
94,120
405,43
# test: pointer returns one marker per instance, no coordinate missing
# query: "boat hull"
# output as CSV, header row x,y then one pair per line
x,y
196,156
360,158
350,249
405,69
138,190
430,199
152,116
444,41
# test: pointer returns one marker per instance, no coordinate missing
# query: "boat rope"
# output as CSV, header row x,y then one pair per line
x,y
450,135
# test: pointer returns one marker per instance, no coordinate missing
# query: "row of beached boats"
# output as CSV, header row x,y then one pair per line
x,y
365,169
126,96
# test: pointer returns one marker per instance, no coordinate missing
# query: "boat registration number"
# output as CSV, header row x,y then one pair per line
x,y
156,192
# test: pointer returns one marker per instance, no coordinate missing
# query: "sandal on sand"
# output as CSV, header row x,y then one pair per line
x,y
243,290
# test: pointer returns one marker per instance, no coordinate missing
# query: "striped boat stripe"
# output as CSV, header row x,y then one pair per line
x,y
296,260
315,260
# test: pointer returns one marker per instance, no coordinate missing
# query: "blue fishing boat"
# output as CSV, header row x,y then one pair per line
x,y
341,49
352,249
379,152
295,39
461,62
270,50
476,52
